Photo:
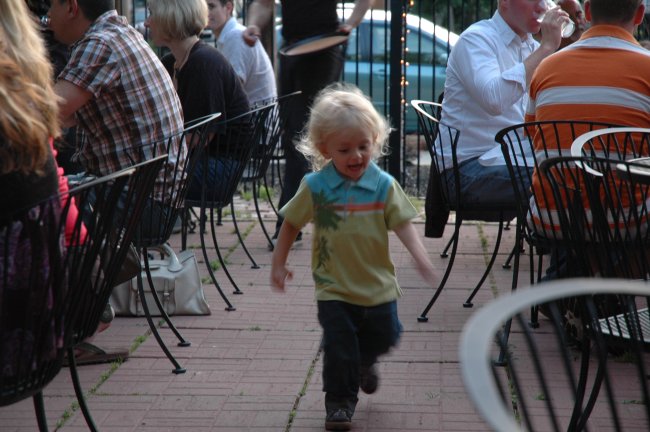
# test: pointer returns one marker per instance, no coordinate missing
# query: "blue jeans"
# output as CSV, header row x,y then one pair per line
x,y
155,214
485,185
219,180
353,336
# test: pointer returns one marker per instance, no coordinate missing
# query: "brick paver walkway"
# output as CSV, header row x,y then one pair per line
x,y
258,368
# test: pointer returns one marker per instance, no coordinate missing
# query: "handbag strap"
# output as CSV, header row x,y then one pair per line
x,y
174,265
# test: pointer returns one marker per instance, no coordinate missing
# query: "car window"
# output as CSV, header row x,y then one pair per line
x,y
380,42
421,49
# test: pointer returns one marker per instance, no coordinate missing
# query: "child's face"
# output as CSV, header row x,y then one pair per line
x,y
350,151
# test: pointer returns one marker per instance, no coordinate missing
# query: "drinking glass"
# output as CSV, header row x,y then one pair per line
x,y
568,27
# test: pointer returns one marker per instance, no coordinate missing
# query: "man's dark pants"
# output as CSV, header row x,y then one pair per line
x,y
308,73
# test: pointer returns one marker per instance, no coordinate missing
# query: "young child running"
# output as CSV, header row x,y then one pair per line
x,y
353,204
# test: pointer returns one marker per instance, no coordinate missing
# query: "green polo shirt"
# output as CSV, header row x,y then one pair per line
x,y
350,255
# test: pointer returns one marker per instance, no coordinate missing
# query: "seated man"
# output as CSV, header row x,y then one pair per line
x,y
116,91
252,65
486,87
616,89
114,87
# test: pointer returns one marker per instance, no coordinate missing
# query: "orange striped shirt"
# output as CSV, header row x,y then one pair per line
x,y
603,77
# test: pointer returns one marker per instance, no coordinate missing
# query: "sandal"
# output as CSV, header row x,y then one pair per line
x,y
87,353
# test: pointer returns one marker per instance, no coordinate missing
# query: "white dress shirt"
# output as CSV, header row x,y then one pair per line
x,y
485,88
251,64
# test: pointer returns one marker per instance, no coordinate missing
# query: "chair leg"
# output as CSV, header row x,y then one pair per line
x,y
444,253
450,264
39,409
468,303
269,198
534,310
501,360
206,259
182,342
259,214
241,240
219,256
78,391
188,226
154,330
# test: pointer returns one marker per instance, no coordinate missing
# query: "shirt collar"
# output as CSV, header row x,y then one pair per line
x,y
100,21
369,180
507,34
227,27
609,30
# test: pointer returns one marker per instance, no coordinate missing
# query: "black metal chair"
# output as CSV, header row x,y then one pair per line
x,y
43,283
110,209
32,304
596,381
164,207
267,148
604,214
229,153
434,131
524,147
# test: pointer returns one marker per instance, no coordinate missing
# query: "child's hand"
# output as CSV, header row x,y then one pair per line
x,y
411,239
278,276
279,271
427,272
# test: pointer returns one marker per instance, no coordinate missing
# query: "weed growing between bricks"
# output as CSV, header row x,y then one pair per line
x,y
303,390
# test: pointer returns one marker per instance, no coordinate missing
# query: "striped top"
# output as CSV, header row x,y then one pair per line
x,y
603,77
350,256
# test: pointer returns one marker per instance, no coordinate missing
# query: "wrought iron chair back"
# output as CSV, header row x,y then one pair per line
x,y
604,215
268,147
220,174
594,377
48,260
163,207
435,133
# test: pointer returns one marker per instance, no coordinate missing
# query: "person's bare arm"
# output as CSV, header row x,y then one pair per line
x,y
259,15
360,8
279,271
409,236
72,98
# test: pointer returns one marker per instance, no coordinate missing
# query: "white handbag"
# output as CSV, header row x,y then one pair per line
x,y
177,282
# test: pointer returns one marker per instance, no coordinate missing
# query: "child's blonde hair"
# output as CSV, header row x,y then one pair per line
x,y
338,107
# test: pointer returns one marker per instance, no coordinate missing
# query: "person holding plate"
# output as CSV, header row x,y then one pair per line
x,y
309,73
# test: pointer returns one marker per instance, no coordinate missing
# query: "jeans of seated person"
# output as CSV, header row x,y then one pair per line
x,y
557,267
489,185
353,336
219,187
153,214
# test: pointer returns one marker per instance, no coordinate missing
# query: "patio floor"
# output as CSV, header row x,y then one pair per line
x,y
259,369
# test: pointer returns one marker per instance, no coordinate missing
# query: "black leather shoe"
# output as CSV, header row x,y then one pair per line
x,y
338,419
